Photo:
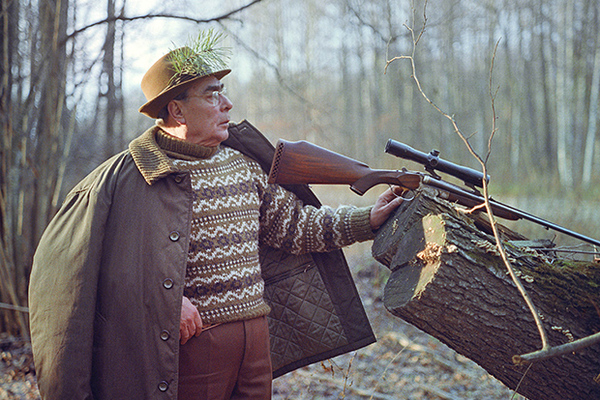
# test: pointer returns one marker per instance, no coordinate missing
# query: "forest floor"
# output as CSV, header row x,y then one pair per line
x,y
404,363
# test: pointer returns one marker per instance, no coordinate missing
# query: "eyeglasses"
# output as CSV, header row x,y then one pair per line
x,y
214,97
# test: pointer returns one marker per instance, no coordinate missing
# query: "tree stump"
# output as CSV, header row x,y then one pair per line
x,y
448,280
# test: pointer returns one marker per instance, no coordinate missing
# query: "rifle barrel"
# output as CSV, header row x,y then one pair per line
x,y
546,224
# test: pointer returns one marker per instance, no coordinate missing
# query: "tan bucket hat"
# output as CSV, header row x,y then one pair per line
x,y
162,83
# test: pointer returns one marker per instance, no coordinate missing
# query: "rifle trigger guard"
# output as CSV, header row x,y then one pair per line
x,y
405,198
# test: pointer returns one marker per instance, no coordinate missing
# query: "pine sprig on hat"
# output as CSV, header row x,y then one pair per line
x,y
201,56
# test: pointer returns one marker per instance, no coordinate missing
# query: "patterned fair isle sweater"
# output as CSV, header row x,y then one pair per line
x,y
234,211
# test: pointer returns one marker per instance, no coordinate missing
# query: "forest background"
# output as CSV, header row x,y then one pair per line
x,y
304,70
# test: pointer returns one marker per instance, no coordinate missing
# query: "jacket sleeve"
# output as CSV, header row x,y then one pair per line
x,y
62,294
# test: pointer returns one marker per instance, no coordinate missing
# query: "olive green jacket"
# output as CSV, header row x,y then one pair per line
x,y
107,282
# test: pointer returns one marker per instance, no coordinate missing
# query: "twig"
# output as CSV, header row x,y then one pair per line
x,y
388,365
513,275
347,372
557,350
521,381
14,308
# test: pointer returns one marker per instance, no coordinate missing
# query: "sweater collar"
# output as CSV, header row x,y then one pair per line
x,y
178,148
152,150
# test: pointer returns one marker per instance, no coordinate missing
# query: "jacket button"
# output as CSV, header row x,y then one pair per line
x,y
164,335
168,283
178,178
163,386
174,236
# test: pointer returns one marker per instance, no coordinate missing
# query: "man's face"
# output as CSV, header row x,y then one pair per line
x,y
206,114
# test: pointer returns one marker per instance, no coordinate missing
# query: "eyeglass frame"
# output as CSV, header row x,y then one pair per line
x,y
213,96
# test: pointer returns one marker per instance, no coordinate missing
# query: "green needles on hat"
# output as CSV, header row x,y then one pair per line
x,y
201,56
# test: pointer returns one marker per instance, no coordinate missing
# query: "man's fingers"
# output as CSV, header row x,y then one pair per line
x,y
191,322
399,191
183,336
197,325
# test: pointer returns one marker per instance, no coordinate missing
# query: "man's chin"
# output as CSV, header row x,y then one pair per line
x,y
224,135
221,136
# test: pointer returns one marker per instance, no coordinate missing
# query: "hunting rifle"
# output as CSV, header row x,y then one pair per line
x,y
305,163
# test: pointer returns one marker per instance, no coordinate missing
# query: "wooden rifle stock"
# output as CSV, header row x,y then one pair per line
x,y
305,163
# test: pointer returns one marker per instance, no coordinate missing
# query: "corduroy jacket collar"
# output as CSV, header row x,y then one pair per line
x,y
152,162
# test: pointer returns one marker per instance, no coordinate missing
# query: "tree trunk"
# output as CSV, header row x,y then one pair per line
x,y
448,280
108,86
590,142
548,159
564,91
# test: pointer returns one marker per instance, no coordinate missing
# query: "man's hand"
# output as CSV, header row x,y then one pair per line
x,y
387,202
191,323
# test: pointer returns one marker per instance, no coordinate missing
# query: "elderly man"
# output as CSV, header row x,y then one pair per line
x,y
148,284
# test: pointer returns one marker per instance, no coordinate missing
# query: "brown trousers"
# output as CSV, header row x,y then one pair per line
x,y
228,361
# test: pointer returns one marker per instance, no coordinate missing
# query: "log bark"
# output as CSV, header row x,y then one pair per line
x,y
448,280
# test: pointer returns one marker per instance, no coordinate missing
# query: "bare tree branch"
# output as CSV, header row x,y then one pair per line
x,y
557,350
122,17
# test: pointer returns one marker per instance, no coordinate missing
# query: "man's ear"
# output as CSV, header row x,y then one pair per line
x,y
176,112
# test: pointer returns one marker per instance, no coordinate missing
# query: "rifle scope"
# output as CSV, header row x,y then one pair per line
x,y
432,162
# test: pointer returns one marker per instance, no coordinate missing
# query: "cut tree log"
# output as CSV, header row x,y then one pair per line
x,y
449,281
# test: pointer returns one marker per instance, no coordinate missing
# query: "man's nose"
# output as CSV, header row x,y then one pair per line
x,y
226,104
